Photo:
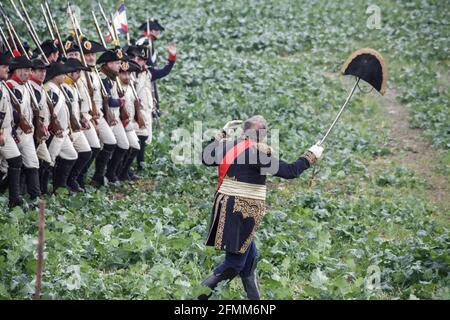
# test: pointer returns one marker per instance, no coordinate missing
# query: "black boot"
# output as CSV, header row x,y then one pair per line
x,y
3,182
123,175
114,164
100,164
83,158
44,174
61,172
140,159
82,176
32,180
213,280
14,169
251,283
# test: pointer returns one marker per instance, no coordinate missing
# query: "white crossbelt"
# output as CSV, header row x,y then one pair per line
x,y
243,189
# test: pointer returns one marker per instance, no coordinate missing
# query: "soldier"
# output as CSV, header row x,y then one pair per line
x,y
50,50
240,198
72,50
151,32
20,69
132,105
62,151
91,104
36,80
145,92
78,138
8,147
112,154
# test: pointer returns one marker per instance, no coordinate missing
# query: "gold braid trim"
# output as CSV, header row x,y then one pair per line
x,y
249,208
308,155
221,225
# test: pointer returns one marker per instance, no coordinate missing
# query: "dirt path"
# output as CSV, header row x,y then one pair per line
x,y
412,149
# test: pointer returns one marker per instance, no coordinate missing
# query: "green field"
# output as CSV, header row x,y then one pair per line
x,y
377,203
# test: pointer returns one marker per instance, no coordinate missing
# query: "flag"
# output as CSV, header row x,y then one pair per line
x,y
120,21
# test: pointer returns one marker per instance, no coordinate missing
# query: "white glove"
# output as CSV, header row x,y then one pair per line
x,y
316,150
232,124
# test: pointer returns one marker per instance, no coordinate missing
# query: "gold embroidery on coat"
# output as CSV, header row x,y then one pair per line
x,y
221,225
249,208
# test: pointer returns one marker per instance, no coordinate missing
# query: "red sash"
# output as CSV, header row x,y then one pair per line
x,y
230,156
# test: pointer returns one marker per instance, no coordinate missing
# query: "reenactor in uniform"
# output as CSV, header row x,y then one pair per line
x,y
90,110
133,107
239,203
8,146
116,145
50,50
36,80
62,151
151,29
20,69
72,50
79,124
144,86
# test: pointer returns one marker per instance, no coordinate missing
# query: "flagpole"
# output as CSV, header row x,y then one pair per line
x,y
128,31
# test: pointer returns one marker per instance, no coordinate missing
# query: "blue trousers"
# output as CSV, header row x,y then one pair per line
x,y
242,263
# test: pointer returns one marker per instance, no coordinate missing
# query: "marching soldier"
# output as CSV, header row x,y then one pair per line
x,y
91,103
104,121
20,69
82,124
144,88
62,151
152,29
36,80
239,204
50,50
8,146
133,107
110,62
72,50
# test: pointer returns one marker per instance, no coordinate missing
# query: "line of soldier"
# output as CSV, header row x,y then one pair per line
x,y
56,119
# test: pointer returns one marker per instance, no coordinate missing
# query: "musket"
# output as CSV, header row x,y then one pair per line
x,y
23,122
77,30
47,22
55,29
54,126
40,132
74,124
106,110
137,108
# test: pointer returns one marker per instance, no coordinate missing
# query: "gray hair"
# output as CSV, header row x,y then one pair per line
x,y
255,127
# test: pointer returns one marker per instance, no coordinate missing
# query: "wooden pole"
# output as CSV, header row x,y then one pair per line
x,y
40,250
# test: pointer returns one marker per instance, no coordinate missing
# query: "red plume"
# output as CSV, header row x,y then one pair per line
x,y
16,53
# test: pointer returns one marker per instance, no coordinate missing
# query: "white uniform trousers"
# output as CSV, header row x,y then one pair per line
x,y
132,137
62,147
92,137
80,143
121,136
105,133
28,151
10,149
43,153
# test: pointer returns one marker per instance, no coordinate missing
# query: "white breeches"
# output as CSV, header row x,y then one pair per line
x,y
62,147
105,133
10,149
28,151
80,143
